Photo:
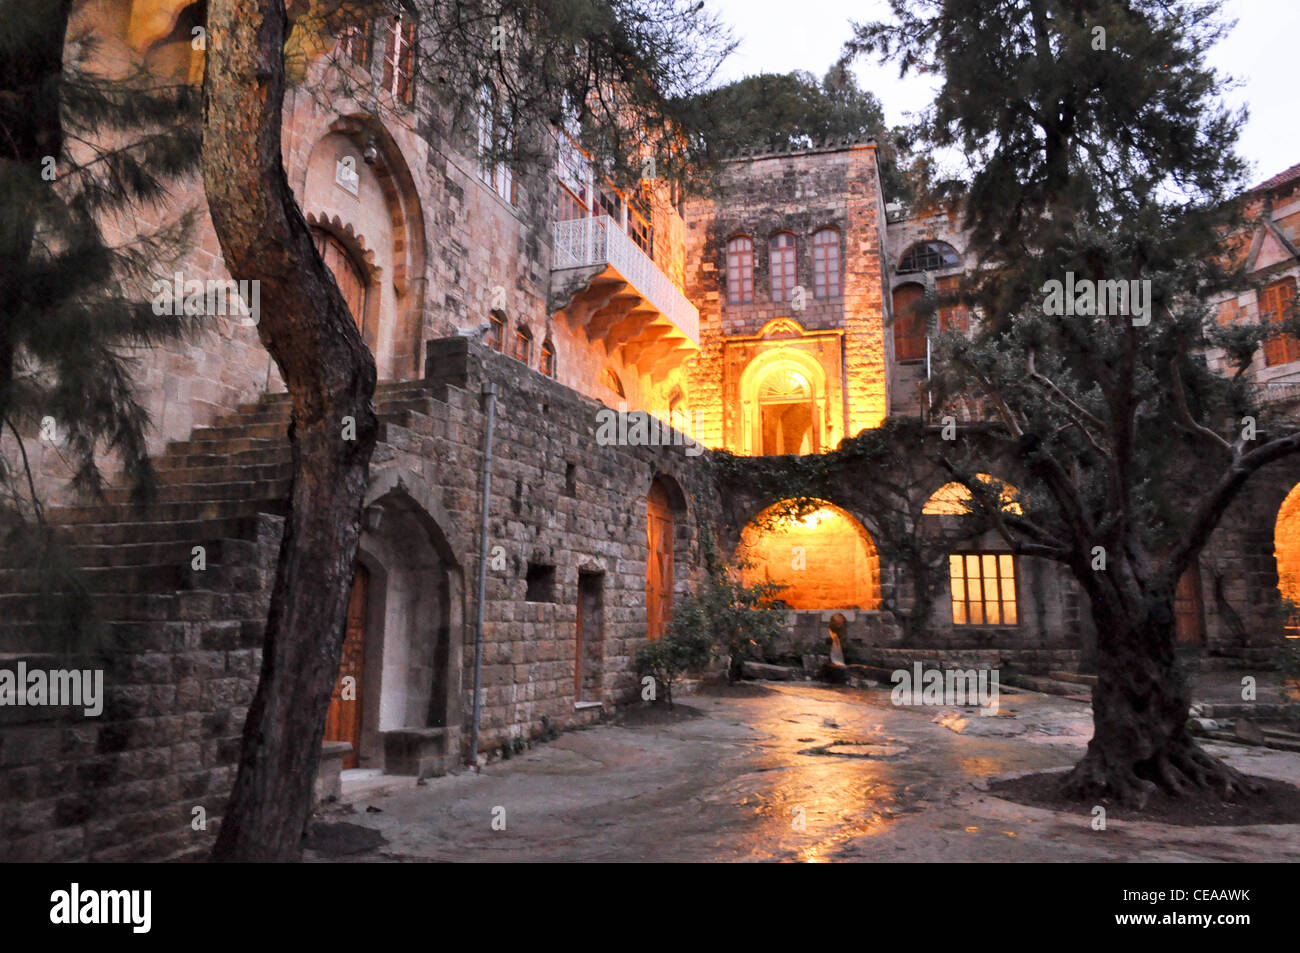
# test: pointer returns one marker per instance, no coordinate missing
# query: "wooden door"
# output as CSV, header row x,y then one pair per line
x,y
1189,623
659,562
343,721
351,280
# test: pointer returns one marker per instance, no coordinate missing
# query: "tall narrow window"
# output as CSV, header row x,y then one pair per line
x,y
354,44
523,350
496,337
495,142
740,270
826,263
909,323
399,58
547,362
1275,302
781,265
983,588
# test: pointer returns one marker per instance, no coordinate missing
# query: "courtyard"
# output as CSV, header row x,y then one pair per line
x,y
782,772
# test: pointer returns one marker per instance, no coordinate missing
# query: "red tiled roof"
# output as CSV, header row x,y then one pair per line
x,y
1282,178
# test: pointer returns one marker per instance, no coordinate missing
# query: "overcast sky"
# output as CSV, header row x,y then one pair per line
x,y
777,36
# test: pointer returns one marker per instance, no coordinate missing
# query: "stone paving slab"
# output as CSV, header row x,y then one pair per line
x,y
743,781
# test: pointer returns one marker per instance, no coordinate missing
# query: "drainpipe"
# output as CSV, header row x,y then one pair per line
x,y
490,393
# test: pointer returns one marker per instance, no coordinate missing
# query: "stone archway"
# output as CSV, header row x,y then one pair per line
x,y
826,559
1286,550
783,404
409,688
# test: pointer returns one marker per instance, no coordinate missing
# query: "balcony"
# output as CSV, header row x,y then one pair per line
x,y
614,292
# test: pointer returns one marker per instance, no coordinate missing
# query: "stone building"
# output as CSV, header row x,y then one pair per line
x,y
773,318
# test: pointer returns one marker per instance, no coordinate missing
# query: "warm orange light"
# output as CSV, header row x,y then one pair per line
x,y
826,559
1286,550
953,499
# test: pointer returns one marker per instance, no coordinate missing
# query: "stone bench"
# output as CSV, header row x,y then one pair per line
x,y
416,752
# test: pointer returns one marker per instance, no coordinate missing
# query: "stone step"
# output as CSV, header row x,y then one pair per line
x,y
262,456
203,492
157,512
157,578
226,446
226,473
118,532
1078,677
240,428
221,552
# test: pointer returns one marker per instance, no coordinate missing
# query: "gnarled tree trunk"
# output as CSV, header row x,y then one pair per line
x,y
1140,703
330,375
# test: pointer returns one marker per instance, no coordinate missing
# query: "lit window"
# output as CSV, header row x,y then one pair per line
x,y
740,271
781,261
523,351
983,588
928,256
547,363
909,323
399,58
497,334
1275,303
354,44
826,263
954,499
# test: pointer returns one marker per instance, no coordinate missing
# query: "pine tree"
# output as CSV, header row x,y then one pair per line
x,y
1097,148
75,305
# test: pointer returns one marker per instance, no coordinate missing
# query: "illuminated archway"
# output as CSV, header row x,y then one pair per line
x,y
953,499
1286,550
826,559
783,404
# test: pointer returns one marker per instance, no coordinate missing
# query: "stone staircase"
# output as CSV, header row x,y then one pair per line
x,y
179,641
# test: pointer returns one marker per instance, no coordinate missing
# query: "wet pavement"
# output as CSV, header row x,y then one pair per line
x,y
791,772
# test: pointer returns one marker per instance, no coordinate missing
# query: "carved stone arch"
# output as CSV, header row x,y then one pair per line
x,y
351,239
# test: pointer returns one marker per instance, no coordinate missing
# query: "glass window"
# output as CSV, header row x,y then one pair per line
x,y
826,263
740,270
983,589
1275,302
781,262
928,256
399,58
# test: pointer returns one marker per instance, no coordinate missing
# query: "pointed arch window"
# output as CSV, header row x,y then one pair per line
x,y
781,253
523,349
740,270
547,362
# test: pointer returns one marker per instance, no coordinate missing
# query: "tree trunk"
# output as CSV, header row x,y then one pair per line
x,y
735,667
1140,741
330,375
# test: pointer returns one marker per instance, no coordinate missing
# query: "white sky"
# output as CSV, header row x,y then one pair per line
x,y
777,36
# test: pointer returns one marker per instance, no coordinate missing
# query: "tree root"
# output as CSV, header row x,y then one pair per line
x,y
1181,769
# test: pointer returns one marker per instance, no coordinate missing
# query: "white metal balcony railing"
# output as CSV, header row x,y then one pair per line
x,y
599,240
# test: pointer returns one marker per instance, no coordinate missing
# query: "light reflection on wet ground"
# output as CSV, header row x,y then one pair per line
x,y
745,782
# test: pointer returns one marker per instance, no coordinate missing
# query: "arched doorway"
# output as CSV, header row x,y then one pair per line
x,y
783,404
660,533
351,277
1286,550
826,559
344,718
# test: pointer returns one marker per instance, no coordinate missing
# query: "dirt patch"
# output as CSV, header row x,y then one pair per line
x,y
645,715
1277,803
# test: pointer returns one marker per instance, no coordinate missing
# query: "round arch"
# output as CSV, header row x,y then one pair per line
x,y
826,559
776,412
1286,550
953,498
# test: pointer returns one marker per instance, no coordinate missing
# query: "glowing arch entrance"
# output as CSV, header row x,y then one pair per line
x,y
826,559
1286,550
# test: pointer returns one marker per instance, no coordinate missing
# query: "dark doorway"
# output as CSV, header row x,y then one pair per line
x,y
589,654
